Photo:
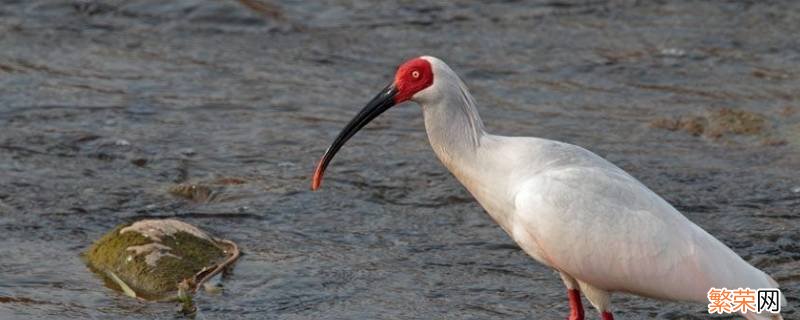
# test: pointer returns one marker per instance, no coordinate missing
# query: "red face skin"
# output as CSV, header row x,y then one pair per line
x,y
413,76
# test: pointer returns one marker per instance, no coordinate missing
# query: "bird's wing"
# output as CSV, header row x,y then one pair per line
x,y
603,227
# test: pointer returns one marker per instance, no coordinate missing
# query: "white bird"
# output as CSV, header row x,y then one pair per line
x,y
565,206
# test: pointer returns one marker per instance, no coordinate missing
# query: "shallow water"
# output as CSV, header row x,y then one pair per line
x,y
106,105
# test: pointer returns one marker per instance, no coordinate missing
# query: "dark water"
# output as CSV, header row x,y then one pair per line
x,y
106,105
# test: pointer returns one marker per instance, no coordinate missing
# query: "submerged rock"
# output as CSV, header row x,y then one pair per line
x,y
692,125
216,190
148,259
725,121
716,123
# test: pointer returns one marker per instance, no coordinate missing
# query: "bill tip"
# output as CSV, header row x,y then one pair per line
x,y
316,181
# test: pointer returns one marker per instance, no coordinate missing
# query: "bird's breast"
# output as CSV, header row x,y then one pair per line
x,y
491,193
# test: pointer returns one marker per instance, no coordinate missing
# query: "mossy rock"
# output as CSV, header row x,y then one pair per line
x,y
149,258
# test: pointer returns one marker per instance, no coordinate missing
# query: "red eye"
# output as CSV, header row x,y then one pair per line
x,y
415,74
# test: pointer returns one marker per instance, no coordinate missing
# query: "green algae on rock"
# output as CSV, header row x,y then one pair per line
x,y
148,259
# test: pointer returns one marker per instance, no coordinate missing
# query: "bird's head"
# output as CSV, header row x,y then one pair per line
x,y
412,82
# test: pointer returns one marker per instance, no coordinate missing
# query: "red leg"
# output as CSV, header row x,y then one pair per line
x,y
575,306
606,315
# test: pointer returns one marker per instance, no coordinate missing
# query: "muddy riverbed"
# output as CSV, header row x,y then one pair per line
x,y
110,110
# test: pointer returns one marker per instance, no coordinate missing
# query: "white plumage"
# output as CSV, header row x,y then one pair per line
x,y
568,208
576,212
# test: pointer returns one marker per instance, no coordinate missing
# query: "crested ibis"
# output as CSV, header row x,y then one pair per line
x,y
601,229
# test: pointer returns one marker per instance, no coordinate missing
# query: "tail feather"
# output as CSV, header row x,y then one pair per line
x,y
776,285
767,315
762,316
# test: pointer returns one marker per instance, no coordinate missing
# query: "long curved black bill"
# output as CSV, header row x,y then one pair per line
x,y
382,102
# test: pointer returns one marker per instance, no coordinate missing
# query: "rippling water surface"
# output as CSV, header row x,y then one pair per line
x,y
106,105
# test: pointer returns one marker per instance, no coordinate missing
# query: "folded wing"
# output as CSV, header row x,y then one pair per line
x,y
602,226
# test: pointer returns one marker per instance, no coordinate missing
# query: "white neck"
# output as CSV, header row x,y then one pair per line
x,y
453,125
457,136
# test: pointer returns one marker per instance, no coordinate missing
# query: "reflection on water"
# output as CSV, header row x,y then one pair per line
x,y
106,105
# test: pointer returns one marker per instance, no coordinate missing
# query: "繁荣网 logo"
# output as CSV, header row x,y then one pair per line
x,y
744,300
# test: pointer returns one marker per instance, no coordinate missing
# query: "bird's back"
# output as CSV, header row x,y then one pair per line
x,y
597,223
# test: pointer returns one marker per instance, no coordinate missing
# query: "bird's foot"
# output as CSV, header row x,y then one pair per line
x,y
575,306
606,315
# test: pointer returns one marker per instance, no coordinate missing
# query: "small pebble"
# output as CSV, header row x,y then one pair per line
x,y
286,164
140,162
187,152
675,52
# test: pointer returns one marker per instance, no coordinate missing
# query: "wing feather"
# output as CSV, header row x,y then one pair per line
x,y
600,225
